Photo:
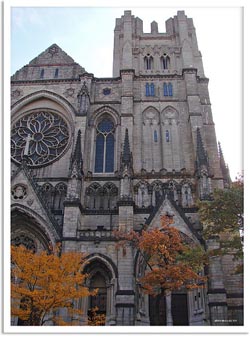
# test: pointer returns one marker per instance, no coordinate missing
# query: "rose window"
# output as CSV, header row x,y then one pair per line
x,y
41,136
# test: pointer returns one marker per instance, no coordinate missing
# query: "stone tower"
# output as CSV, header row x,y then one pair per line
x,y
91,155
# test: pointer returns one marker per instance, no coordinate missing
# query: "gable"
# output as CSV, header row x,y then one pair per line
x,y
53,63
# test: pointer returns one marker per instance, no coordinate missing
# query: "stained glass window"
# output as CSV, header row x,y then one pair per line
x,y
150,89
104,157
42,136
99,153
167,136
168,89
155,136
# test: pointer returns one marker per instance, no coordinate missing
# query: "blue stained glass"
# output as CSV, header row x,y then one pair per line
x,y
167,136
105,126
155,136
109,162
99,153
165,89
170,89
152,89
147,89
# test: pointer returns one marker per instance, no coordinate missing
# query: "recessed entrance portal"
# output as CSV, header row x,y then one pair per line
x,y
179,309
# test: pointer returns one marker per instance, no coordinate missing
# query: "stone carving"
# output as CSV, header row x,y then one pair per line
x,y
69,92
19,192
16,93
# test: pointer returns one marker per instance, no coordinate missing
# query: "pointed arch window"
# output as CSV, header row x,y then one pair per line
x,y
165,61
167,136
105,145
148,62
155,136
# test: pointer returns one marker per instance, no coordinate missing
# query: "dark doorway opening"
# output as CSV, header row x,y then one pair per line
x,y
179,309
157,310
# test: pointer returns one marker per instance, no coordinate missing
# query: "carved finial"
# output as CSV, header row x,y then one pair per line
x,y
126,155
224,168
76,160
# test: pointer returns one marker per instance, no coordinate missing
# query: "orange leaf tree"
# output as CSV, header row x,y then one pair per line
x,y
172,264
42,283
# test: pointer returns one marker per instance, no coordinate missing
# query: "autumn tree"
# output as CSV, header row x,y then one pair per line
x,y
43,283
171,263
223,219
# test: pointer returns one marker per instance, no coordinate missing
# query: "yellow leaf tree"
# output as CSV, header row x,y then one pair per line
x,y
42,284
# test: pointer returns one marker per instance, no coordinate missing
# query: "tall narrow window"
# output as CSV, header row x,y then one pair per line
x,y
165,89
42,73
165,61
56,73
167,136
168,89
104,156
155,136
148,62
152,89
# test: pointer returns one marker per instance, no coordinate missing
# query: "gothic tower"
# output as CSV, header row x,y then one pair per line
x,y
91,155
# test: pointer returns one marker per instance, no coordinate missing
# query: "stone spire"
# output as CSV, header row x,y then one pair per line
x,y
76,159
201,159
126,155
126,171
224,168
202,170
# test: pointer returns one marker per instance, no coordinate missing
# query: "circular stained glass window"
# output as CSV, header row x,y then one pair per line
x,y
41,136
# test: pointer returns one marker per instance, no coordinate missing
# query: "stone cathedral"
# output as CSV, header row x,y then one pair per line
x,y
91,155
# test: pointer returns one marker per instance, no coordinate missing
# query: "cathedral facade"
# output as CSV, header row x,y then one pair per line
x,y
91,155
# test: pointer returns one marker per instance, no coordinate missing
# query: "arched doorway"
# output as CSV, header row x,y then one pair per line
x,y
101,275
100,300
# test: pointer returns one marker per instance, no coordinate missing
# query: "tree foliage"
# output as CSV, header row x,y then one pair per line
x,y
42,283
171,264
223,218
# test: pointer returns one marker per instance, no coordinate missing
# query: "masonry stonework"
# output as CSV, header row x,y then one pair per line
x,y
130,149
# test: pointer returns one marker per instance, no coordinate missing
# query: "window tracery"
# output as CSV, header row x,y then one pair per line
x,y
105,146
40,136
101,197
24,240
165,61
148,62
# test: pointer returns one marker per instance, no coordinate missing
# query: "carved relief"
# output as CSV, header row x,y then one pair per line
x,y
19,192
69,92
16,93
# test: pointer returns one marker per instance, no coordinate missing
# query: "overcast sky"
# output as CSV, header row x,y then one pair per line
x,y
86,34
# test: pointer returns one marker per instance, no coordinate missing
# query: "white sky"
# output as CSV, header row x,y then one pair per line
x,y
86,34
